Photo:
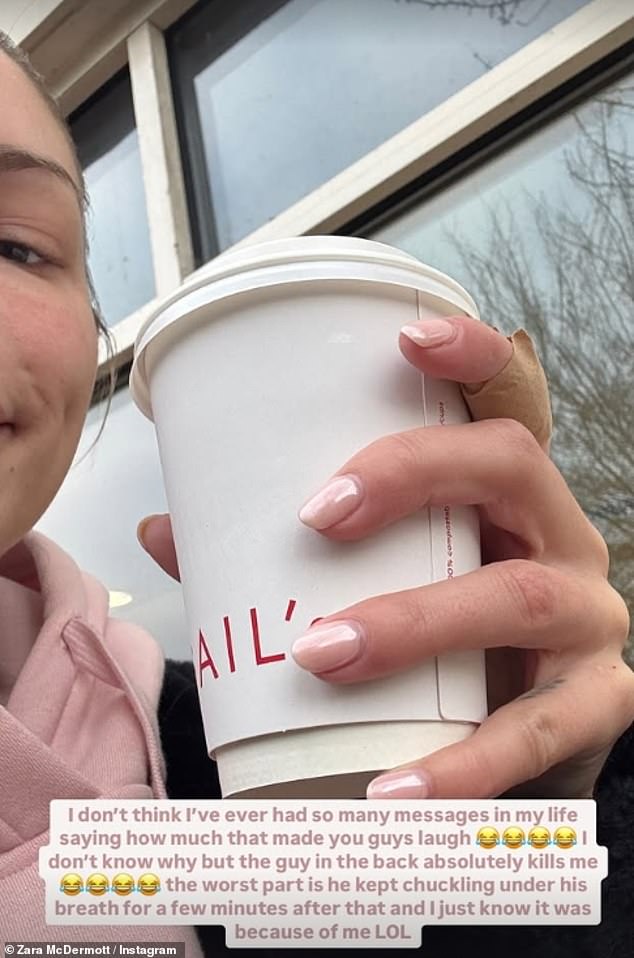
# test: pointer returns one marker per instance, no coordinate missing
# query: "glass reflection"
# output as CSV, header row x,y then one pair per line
x,y
542,237
276,98
120,255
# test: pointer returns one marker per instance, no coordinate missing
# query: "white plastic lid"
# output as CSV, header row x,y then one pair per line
x,y
294,260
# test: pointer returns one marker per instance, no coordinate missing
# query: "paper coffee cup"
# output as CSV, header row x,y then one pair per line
x,y
263,376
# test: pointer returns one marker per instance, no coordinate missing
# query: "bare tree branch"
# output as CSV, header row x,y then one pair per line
x,y
565,270
502,10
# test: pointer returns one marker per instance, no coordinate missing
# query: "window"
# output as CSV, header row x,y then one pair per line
x,y
542,237
275,98
120,257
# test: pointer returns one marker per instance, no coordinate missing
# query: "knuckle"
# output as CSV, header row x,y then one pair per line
x,y
391,470
600,547
518,440
470,768
623,679
414,618
539,740
592,547
402,449
618,616
606,613
533,590
479,770
613,680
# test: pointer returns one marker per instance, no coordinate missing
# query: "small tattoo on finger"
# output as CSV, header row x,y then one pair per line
x,y
538,689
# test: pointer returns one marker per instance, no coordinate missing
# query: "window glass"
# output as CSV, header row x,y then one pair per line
x,y
120,257
275,98
543,237
96,512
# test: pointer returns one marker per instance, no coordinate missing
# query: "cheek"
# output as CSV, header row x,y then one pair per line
x,y
57,345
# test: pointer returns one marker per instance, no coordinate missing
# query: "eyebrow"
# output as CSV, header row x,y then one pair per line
x,y
13,160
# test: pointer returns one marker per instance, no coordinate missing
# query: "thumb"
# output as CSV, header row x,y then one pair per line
x,y
155,535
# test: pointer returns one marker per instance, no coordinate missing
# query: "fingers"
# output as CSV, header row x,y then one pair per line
x,y
495,464
499,377
155,535
525,738
519,391
519,603
457,348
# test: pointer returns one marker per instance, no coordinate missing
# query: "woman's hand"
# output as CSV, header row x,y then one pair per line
x,y
559,691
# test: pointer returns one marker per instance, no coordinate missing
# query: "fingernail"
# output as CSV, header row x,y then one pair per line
x,y
336,501
408,783
431,332
328,647
141,528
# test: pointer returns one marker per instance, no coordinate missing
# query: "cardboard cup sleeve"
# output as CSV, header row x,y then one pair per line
x,y
519,391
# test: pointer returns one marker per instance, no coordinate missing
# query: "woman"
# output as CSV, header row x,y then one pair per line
x,y
76,684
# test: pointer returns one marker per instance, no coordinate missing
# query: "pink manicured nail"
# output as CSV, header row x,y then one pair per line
x,y
327,647
431,332
336,501
408,783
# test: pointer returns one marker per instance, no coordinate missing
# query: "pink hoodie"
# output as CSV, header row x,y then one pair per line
x,y
80,722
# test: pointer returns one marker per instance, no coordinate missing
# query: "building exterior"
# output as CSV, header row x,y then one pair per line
x,y
494,139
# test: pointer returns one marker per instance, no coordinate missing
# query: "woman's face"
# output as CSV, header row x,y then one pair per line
x,y
48,339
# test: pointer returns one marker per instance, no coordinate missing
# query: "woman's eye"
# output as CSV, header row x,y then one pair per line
x,y
19,253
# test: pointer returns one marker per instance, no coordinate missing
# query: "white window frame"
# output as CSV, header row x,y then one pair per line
x,y
132,33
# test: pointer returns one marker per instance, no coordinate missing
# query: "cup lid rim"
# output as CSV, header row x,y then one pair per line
x,y
302,251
